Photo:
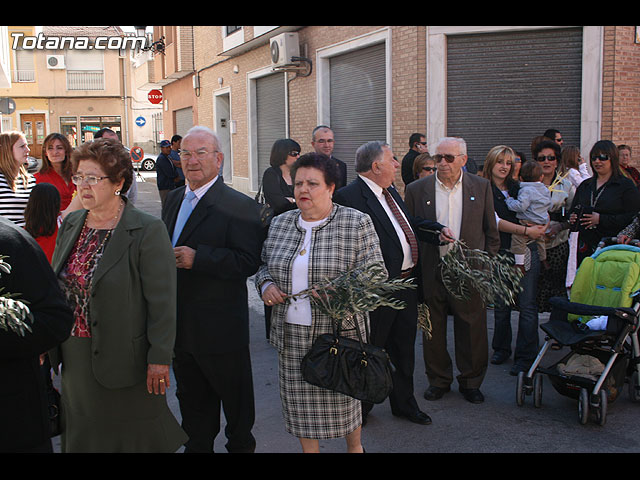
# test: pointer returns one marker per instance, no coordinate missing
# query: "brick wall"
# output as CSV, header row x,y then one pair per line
x,y
621,89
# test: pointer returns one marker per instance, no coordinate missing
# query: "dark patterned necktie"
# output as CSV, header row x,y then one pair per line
x,y
408,232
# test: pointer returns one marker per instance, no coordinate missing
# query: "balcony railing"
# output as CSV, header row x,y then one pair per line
x,y
24,76
85,80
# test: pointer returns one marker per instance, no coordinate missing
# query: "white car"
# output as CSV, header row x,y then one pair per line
x,y
147,164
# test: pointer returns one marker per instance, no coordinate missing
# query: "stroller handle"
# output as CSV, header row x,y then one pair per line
x,y
607,241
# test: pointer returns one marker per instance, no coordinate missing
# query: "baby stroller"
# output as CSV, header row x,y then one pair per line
x,y
606,291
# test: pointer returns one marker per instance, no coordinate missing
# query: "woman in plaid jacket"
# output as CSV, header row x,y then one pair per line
x,y
319,240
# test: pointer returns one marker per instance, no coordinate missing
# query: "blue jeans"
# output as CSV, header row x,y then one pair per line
x,y
527,340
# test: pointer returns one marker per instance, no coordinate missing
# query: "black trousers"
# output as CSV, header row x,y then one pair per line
x,y
395,331
204,384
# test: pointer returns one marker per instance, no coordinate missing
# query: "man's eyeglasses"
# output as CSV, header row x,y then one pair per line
x,y
602,157
542,158
90,179
199,154
449,158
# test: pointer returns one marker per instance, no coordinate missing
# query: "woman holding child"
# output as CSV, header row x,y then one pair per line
x,y
552,281
498,169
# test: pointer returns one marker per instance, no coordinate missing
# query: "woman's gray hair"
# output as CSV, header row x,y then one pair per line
x,y
368,153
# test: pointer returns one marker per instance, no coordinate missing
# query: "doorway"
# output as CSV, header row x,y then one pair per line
x,y
33,127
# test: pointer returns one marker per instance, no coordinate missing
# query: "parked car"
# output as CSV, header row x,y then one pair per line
x,y
33,164
148,162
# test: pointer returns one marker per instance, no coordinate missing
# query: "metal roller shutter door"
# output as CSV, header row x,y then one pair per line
x,y
270,114
358,101
184,120
507,88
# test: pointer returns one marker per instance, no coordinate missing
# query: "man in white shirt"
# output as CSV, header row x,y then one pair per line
x,y
372,192
464,202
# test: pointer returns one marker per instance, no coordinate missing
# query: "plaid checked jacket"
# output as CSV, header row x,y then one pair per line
x,y
346,240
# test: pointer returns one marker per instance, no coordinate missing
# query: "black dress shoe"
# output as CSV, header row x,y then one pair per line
x,y
517,368
473,395
415,417
435,393
499,357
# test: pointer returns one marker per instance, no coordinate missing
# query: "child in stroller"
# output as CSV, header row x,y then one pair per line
x,y
599,325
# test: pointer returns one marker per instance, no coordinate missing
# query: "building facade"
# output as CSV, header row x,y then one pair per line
x,y
77,89
489,85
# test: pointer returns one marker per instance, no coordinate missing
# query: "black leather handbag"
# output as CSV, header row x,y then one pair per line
x,y
351,367
266,210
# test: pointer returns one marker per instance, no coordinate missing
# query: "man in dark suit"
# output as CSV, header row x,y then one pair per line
x,y
218,248
417,145
372,192
322,141
464,203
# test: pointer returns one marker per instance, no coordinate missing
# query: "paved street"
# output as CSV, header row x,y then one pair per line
x,y
496,426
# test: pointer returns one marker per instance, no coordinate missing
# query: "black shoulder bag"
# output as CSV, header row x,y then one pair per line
x,y
351,367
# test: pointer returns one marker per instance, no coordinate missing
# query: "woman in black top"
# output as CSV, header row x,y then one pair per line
x,y
608,200
276,180
278,188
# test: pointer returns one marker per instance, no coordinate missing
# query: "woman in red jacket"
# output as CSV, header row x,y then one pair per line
x,y
56,167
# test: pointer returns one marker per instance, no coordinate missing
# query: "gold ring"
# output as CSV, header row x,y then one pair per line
x,y
161,380
269,301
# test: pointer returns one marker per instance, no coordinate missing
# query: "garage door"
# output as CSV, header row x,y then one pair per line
x,y
358,101
184,120
507,88
270,116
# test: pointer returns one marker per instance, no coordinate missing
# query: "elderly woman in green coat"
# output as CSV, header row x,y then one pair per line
x,y
116,266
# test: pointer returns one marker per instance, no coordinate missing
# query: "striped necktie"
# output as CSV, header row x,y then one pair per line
x,y
408,232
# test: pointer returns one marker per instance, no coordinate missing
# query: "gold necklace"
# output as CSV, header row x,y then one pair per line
x,y
81,241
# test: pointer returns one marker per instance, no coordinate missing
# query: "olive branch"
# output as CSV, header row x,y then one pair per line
x,y
14,314
360,289
495,278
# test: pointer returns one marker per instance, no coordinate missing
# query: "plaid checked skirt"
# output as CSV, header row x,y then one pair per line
x,y
310,411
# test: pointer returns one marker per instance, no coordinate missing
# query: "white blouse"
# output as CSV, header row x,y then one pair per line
x,y
299,311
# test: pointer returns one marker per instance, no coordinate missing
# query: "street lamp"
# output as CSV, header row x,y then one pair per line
x,y
155,47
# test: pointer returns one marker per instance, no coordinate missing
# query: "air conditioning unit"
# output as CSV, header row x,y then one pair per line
x,y
55,62
283,48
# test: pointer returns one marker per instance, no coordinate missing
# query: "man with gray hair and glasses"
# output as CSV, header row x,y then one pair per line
x,y
372,192
217,237
464,202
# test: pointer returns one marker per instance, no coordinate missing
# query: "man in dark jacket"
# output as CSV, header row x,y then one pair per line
x,y
24,417
417,145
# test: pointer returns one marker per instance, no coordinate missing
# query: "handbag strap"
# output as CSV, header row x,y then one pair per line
x,y
337,323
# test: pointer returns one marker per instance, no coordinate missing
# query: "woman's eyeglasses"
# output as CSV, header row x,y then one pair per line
x,y
294,154
602,157
90,179
542,158
429,169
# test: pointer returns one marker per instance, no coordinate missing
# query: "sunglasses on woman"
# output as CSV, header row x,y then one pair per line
x,y
542,158
429,169
602,157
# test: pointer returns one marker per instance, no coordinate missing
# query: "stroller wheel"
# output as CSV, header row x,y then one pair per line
x,y
583,406
520,389
537,390
634,387
601,408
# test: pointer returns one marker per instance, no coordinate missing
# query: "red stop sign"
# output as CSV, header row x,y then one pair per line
x,y
155,96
